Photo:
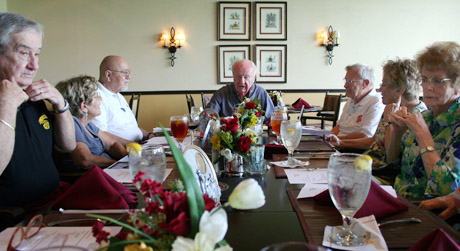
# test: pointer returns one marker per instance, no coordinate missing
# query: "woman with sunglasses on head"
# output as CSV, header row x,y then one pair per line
x,y
94,147
429,153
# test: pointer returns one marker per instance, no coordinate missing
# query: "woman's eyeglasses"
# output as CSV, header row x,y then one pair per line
x,y
23,233
436,80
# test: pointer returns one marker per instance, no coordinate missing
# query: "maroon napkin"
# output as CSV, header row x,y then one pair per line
x,y
96,190
435,240
378,202
298,104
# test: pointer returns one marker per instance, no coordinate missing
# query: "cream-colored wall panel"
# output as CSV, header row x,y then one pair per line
x,y
79,33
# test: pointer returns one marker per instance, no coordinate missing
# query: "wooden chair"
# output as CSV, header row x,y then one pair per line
x,y
190,102
134,103
330,111
205,100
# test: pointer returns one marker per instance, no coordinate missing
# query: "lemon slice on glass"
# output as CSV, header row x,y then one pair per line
x,y
134,148
363,163
291,130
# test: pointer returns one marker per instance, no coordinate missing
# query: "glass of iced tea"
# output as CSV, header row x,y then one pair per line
x,y
179,128
275,122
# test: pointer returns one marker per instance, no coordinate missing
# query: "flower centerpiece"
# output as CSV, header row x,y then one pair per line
x,y
180,219
233,137
277,98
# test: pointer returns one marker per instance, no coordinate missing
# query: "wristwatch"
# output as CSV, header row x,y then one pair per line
x,y
427,149
65,108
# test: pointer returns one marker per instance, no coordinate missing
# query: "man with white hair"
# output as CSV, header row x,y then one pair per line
x,y
361,113
29,131
227,97
116,116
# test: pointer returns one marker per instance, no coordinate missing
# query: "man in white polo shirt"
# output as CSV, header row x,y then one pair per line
x,y
116,116
362,112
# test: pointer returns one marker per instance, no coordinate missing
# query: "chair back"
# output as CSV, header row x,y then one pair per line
x,y
190,102
205,100
134,103
331,102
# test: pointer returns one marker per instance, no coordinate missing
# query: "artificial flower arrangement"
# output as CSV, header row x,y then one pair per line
x,y
180,219
277,97
249,113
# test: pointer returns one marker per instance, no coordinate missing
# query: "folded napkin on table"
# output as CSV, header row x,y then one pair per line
x,y
379,202
436,240
96,190
298,104
366,226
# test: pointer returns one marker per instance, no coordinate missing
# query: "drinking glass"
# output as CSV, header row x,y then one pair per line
x,y
348,187
179,128
151,160
291,132
275,122
194,119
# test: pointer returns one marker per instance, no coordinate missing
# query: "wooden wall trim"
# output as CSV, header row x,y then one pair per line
x,y
212,91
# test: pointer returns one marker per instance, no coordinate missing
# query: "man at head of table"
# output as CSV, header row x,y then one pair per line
x,y
116,116
227,97
28,130
361,113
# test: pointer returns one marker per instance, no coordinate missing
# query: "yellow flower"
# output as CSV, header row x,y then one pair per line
x,y
137,247
215,141
252,135
253,121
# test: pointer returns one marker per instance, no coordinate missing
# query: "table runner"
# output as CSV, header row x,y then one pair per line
x,y
313,218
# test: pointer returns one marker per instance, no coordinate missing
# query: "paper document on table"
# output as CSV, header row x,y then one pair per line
x,y
311,190
57,236
124,176
303,176
159,129
162,141
309,130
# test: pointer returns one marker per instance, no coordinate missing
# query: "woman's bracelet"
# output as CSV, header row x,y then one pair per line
x,y
8,124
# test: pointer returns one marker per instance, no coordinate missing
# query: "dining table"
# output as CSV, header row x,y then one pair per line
x,y
284,217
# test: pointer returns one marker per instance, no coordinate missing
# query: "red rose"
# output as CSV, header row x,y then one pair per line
x,y
243,144
250,105
231,124
102,236
258,113
179,226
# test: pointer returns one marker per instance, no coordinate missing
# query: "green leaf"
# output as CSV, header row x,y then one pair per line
x,y
123,225
194,195
223,136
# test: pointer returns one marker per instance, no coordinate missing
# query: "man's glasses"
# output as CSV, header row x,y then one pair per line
x,y
349,81
124,73
383,84
23,233
436,80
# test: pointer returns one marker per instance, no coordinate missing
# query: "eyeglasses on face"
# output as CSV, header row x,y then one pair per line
x,y
23,233
349,81
384,84
124,73
436,80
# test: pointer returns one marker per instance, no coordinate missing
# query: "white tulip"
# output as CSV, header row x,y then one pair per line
x,y
182,243
227,154
247,195
202,242
214,224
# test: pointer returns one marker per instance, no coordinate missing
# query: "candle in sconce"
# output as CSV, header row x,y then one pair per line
x,y
336,36
323,34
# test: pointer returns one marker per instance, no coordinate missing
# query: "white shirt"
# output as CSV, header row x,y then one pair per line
x,y
362,117
116,116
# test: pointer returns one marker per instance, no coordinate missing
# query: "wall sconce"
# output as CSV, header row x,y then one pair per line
x,y
172,43
329,40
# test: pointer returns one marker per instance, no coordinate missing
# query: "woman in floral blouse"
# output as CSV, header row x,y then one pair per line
x,y
430,151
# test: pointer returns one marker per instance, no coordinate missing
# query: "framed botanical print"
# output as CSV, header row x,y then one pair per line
x,y
271,63
227,55
234,21
270,20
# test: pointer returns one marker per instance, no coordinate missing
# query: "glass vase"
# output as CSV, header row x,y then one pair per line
x,y
234,167
254,163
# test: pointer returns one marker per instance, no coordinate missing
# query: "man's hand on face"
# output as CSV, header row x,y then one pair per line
x,y
11,93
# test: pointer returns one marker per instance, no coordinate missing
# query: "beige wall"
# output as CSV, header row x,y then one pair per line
x,y
79,33
3,6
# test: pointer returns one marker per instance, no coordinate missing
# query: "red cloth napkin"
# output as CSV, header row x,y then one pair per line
x,y
96,190
378,202
298,104
435,240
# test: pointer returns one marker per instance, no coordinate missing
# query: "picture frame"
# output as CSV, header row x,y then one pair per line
x,y
270,20
226,56
234,21
271,61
